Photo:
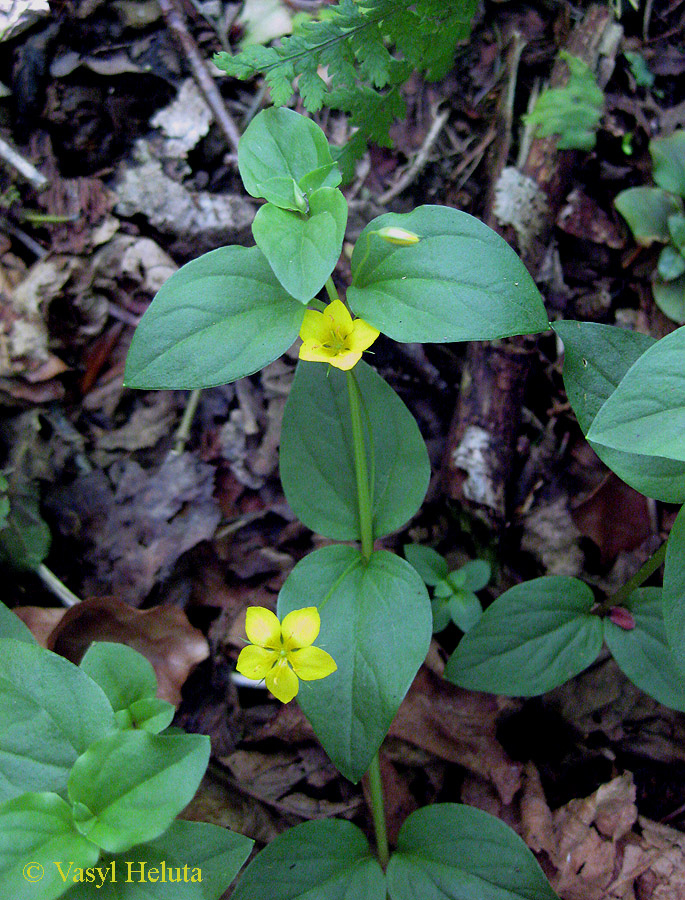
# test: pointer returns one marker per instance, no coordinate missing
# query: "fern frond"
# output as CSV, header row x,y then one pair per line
x,y
368,48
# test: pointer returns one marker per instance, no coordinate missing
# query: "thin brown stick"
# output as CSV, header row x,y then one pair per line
x,y
23,166
174,18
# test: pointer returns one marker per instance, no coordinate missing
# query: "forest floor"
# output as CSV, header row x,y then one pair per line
x,y
123,175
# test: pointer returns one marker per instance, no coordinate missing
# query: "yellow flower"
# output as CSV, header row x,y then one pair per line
x,y
395,235
332,336
280,653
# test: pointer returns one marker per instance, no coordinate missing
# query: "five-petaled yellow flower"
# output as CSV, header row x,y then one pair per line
x,y
334,337
281,653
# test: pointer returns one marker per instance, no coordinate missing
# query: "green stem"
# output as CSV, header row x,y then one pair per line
x,y
378,811
649,568
331,290
360,467
183,430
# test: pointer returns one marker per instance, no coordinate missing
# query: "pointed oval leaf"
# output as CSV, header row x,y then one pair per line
x,y
303,250
217,319
430,565
646,412
460,282
453,852
316,461
643,653
352,709
329,860
37,832
647,210
123,674
134,784
669,296
668,157
11,626
671,264
280,146
674,590
50,712
465,609
190,861
534,637
596,357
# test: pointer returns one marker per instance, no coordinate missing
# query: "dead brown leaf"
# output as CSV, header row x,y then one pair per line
x,y
460,727
134,523
162,634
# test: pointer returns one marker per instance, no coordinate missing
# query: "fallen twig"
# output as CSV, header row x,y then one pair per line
x,y
175,22
419,160
23,166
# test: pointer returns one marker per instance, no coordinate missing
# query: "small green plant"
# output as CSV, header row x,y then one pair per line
x,y
656,215
354,468
572,112
89,771
454,593
354,42
92,779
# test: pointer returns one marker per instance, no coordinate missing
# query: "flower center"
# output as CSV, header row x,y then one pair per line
x,y
336,341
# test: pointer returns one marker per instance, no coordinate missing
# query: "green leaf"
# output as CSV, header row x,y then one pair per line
x,y
460,282
646,412
151,714
430,565
129,787
572,112
676,228
647,211
198,860
669,296
50,712
643,653
217,319
453,852
674,590
671,264
643,75
25,538
303,250
534,637
36,832
11,626
123,674
352,709
476,574
280,147
596,357
328,859
440,612
668,158
316,460
465,609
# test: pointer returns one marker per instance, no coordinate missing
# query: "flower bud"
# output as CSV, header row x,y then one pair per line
x,y
400,236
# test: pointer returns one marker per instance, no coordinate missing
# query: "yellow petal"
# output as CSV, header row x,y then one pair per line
x,y
312,351
339,317
345,360
282,682
255,662
362,336
300,628
315,326
311,663
263,628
